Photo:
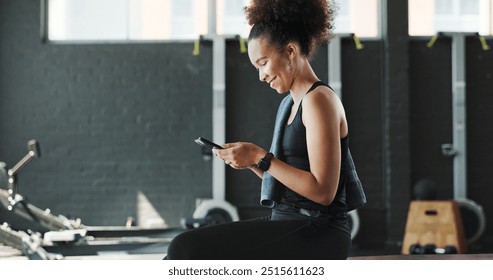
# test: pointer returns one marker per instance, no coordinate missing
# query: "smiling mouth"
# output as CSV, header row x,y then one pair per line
x,y
270,82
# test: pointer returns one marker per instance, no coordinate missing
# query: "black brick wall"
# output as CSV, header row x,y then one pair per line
x,y
112,120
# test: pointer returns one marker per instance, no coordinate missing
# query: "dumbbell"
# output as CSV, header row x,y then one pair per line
x,y
417,249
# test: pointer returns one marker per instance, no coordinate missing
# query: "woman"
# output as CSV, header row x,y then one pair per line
x,y
305,174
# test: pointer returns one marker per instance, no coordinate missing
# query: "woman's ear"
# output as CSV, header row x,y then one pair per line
x,y
291,50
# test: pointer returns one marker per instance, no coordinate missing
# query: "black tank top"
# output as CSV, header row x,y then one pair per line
x,y
295,153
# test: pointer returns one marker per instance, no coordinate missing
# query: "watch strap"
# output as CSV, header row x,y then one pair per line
x,y
264,163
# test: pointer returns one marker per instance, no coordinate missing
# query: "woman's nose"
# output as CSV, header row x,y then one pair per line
x,y
262,76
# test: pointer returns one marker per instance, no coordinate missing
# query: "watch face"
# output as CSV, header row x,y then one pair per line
x,y
264,163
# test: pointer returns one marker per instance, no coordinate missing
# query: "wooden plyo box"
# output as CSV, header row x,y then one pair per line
x,y
434,222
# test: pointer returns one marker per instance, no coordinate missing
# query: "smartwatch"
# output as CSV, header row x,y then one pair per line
x,y
264,163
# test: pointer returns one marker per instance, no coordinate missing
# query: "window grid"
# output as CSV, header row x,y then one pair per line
x,y
158,20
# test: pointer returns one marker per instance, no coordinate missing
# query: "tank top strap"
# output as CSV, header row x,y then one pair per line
x,y
317,84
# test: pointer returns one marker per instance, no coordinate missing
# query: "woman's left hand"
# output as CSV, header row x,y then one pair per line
x,y
240,155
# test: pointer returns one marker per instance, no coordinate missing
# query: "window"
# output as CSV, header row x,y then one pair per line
x,y
358,16
125,20
137,20
231,19
428,17
353,16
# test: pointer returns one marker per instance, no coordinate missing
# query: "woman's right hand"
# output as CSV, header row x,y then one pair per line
x,y
240,155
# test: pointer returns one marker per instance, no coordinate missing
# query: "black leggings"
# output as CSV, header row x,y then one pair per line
x,y
261,239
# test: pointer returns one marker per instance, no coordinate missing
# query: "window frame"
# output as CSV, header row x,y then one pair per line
x,y
213,17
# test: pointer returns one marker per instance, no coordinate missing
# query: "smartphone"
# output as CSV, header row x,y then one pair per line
x,y
206,143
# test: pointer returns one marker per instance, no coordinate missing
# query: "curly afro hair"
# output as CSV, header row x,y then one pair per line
x,y
308,22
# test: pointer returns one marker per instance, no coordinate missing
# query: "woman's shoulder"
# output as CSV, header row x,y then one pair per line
x,y
322,105
321,96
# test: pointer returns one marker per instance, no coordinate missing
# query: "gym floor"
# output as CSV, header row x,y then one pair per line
x,y
9,253
387,252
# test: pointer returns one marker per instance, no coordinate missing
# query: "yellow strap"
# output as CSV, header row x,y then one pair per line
x,y
196,47
483,43
357,42
432,41
243,48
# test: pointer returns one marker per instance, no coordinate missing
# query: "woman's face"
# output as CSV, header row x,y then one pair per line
x,y
273,66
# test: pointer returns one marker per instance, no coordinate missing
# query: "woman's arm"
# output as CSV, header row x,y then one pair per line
x,y
257,171
323,117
